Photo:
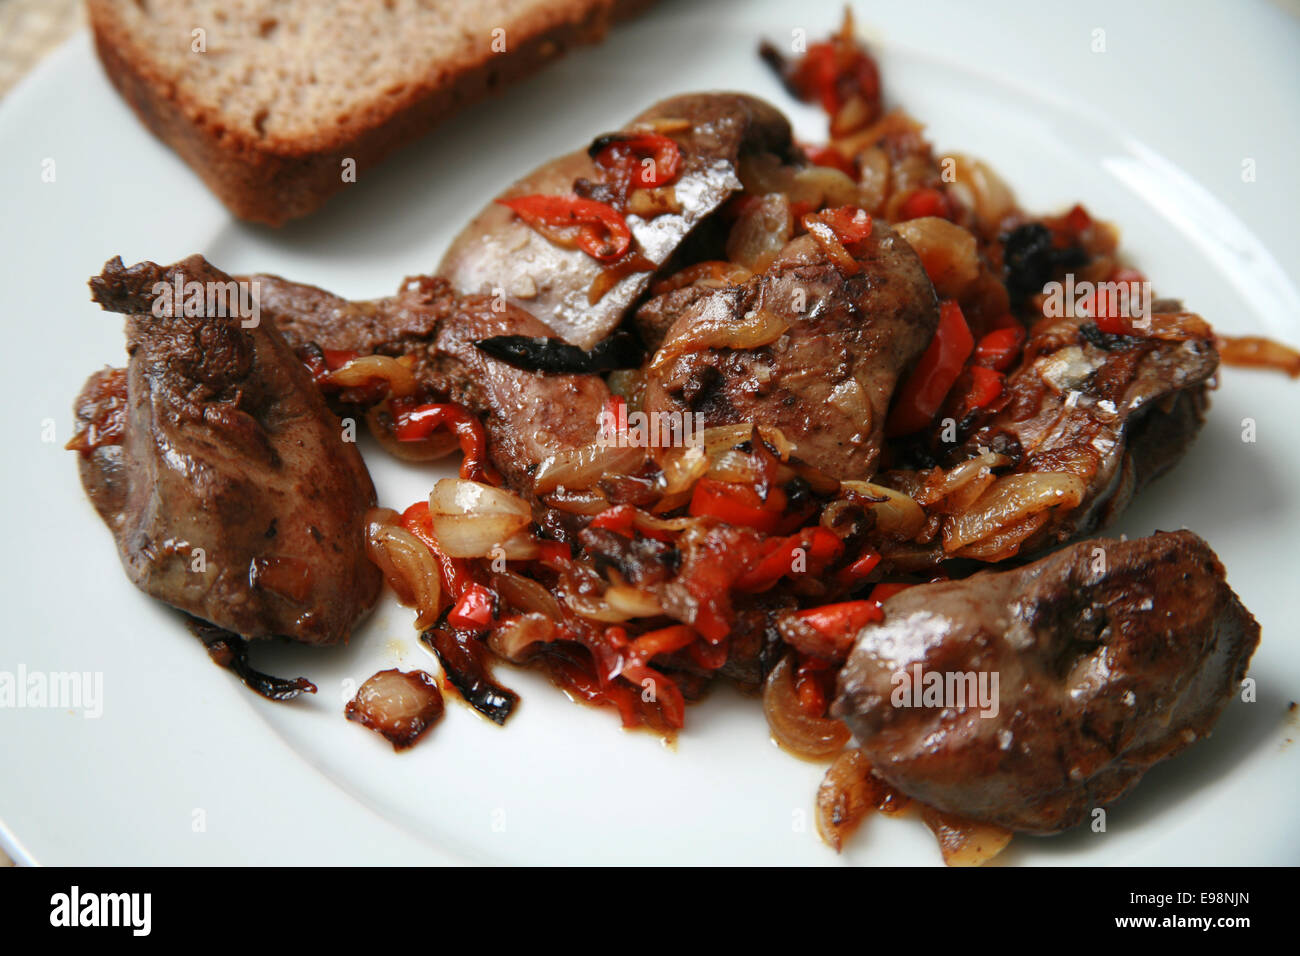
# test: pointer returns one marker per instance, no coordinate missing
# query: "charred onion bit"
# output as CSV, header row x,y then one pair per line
x,y
466,661
399,706
637,160
596,228
414,422
231,652
557,357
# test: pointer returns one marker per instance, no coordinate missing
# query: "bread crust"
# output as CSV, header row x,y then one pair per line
x,y
273,179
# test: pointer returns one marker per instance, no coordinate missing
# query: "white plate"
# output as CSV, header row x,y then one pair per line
x,y
184,765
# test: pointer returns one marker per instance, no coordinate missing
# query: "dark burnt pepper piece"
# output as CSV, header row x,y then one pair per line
x,y
557,357
1030,259
465,659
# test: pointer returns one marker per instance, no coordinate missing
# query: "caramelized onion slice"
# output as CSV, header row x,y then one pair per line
x,y
1251,351
717,328
965,842
525,594
896,514
1009,500
439,444
947,253
400,706
583,467
470,518
514,637
407,564
792,728
369,368
849,792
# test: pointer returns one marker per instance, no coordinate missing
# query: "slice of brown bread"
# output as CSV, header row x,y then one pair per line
x,y
283,92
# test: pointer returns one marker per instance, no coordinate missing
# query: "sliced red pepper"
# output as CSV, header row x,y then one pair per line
x,y
456,575
1077,219
646,647
883,592
577,679
554,554
819,547
851,224
626,155
1000,348
923,393
860,568
738,505
986,385
623,519
831,72
837,620
417,422
1106,319
832,157
924,202
596,228
321,362
474,609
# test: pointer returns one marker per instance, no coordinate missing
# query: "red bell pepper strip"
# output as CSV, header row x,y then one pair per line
x,y
860,568
646,647
418,422
456,575
851,224
1000,348
1077,219
986,385
576,679
924,202
819,547
838,620
923,393
626,155
596,228
474,609
623,519
883,592
831,72
1112,322
832,157
738,505
554,554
